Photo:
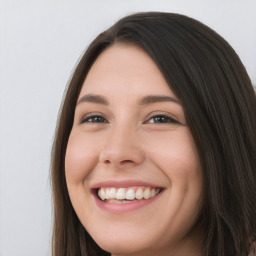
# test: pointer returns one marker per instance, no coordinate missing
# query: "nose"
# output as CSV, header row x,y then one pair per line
x,y
122,149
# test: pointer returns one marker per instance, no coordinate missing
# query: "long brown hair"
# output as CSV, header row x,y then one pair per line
x,y
220,107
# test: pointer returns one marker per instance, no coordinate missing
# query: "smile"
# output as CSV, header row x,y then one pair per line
x,y
126,195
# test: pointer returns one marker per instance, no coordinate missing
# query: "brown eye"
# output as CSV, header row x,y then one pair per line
x,y
162,119
94,119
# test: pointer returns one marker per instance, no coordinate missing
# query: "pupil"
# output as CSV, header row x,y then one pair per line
x,y
97,119
160,119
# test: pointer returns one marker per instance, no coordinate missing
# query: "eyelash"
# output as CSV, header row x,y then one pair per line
x,y
159,119
97,118
162,119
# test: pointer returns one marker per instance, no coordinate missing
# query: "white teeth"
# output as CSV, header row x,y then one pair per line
x,y
152,193
102,194
139,194
147,193
132,193
107,193
112,193
120,194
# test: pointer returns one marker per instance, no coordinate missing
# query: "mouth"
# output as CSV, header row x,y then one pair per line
x,y
116,198
114,195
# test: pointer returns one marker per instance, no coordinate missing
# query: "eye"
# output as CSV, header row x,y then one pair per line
x,y
94,119
162,119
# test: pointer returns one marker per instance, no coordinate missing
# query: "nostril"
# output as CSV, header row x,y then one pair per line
x,y
122,162
126,161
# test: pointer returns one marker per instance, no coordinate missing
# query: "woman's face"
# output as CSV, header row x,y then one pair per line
x,y
131,145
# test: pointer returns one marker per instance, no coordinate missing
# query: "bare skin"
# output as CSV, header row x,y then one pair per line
x,y
130,131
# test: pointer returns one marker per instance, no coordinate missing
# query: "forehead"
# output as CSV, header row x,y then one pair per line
x,y
125,69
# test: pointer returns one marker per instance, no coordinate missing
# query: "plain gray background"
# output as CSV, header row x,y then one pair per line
x,y
40,42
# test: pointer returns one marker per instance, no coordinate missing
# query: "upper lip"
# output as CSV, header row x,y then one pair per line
x,y
124,184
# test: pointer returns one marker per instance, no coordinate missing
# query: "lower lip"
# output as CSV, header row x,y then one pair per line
x,y
134,205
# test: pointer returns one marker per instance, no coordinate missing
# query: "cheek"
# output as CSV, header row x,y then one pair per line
x,y
176,155
80,159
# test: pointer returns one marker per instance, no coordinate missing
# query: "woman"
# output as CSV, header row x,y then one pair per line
x,y
155,149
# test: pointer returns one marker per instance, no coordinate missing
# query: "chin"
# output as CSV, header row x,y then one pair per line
x,y
122,246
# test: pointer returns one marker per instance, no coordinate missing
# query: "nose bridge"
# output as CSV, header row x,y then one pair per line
x,y
122,146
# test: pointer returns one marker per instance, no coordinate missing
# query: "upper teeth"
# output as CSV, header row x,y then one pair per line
x,y
127,193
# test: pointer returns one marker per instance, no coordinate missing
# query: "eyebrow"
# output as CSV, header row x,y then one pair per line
x,y
150,99
94,99
157,98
